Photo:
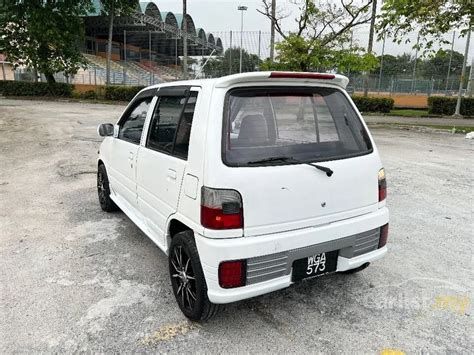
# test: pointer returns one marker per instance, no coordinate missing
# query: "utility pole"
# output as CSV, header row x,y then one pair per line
x,y
149,48
185,43
230,54
259,42
350,48
370,44
457,113
381,63
176,56
413,77
241,9
449,65
125,56
109,43
470,85
149,53
272,32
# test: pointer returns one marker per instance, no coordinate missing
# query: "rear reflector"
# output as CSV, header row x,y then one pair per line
x,y
292,75
383,235
232,274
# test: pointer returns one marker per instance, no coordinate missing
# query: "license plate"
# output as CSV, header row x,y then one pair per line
x,y
315,265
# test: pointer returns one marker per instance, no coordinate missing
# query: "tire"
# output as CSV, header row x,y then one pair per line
x,y
187,279
103,190
357,269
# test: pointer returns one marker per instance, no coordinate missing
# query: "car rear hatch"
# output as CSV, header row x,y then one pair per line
x,y
301,155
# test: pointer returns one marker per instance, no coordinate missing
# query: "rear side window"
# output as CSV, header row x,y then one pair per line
x,y
131,126
289,125
170,128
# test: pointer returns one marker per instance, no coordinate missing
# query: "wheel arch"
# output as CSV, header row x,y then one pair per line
x,y
175,226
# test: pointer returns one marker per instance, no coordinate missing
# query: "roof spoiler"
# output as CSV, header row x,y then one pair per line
x,y
280,76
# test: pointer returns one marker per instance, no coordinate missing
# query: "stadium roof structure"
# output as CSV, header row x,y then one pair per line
x,y
149,18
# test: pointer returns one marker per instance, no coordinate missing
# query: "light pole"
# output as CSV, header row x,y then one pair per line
x,y
381,63
413,78
449,65
242,9
272,32
457,113
185,43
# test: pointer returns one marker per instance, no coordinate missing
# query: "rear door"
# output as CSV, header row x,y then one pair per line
x,y
162,160
273,135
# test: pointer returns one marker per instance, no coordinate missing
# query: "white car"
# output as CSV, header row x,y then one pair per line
x,y
248,182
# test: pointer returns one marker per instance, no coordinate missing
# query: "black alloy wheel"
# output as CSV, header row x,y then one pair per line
x,y
187,278
103,190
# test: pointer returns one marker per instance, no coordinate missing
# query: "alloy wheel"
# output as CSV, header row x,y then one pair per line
x,y
184,276
101,187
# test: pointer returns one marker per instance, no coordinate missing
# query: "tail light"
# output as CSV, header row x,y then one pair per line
x,y
232,274
221,209
382,185
383,235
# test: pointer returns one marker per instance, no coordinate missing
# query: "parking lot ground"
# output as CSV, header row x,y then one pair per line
x,y
73,278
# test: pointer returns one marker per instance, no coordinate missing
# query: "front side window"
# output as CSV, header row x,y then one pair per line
x,y
170,128
289,125
131,126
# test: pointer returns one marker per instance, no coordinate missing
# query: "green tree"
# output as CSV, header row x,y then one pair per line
x,y
294,55
437,65
323,37
111,9
43,35
401,65
229,63
431,19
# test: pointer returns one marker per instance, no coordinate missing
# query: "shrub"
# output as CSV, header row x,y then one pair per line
x,y
447,105
2,85
89,95
121,93
373,104
25,88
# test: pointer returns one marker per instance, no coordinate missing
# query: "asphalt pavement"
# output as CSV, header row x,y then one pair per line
x,y
73,278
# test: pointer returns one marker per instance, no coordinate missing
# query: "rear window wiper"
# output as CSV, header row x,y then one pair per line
x,y
328,171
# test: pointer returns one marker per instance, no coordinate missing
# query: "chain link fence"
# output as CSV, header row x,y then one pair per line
x,y
405,85
161,60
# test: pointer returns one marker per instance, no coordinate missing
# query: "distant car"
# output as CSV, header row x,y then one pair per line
x,y
248,183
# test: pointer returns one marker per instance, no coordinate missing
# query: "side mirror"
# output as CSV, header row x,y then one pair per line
x,y
105,129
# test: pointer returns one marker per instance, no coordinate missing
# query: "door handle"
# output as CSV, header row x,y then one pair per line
x,y
131,156
172,174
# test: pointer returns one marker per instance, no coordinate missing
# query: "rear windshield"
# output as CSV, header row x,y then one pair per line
x,y
285,125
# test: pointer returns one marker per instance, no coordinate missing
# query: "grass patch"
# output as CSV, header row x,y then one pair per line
x,y
457,129
68,99
409,113
460,129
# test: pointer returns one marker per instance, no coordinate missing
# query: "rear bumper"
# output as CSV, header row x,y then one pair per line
x,y
354,238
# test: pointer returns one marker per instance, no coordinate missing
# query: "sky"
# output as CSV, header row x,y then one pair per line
x,y
222,16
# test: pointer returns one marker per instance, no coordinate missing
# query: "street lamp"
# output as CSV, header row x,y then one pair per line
x,y
242,9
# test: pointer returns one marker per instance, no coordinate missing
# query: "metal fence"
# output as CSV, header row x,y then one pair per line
x,y
95,76
405,85
130,70
386,85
